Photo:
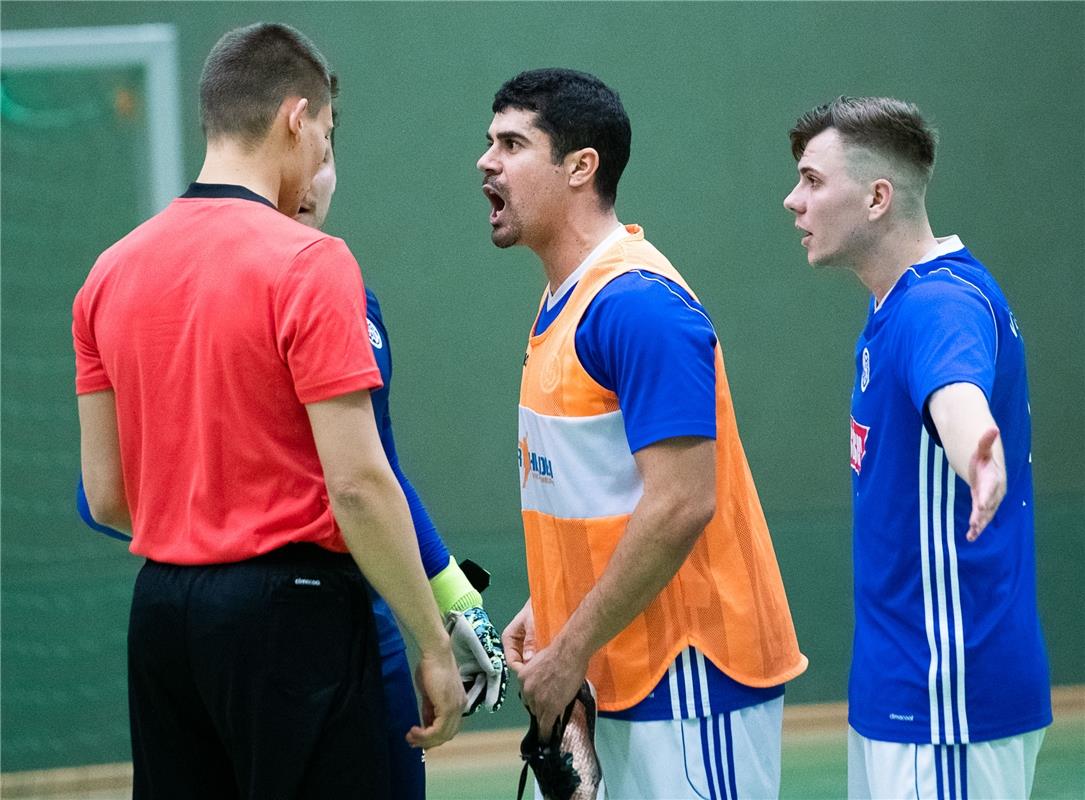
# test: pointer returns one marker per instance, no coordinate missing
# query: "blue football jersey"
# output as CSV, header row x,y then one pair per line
x,y
948,647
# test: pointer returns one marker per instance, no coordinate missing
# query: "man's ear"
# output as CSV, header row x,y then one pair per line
x,y
881,199
582,165
295,113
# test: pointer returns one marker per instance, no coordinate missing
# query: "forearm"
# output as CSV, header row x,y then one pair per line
x,y
376,525
372,513
113,514
973,447
100,458
961,416
451,589
657,541
82,506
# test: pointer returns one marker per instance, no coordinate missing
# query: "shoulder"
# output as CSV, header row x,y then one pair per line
x,y
316,266
947,310
642,319
314,252
645,297
307,238
944,288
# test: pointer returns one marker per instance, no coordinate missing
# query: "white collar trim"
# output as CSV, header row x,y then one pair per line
x,y
552,297
943,246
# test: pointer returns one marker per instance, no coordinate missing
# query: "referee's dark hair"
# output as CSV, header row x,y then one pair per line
x,y
251,70
575,110
892,127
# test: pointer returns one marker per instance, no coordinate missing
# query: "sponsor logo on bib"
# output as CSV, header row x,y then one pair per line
x,y
534,465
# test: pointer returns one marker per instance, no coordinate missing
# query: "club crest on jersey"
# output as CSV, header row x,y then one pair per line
x,y
858,445
374,335
533,464
864,378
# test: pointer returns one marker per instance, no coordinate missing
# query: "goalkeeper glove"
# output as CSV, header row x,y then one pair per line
x,y
475,642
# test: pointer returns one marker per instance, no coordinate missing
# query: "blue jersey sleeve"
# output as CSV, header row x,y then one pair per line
x,y
950,337
644,338
430,546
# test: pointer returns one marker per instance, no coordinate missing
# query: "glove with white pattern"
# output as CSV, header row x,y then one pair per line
x,y
480,657
476,644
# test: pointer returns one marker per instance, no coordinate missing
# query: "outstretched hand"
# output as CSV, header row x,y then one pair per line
x,y
987,477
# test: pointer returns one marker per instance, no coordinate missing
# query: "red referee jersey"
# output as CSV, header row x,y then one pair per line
x,y
214,323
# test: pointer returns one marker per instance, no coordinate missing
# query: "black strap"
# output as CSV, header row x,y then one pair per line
x,y
556,735
478,577
523,782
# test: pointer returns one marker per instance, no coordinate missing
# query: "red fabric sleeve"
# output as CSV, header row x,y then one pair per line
x,y
320,323
90,374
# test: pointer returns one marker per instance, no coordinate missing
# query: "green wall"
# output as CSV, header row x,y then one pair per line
x,y
711,90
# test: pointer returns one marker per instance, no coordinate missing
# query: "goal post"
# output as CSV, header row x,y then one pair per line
x,y
150,47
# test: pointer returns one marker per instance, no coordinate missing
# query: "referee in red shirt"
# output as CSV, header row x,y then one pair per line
x,y
223,371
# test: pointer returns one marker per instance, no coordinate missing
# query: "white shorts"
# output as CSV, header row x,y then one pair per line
x,y
725,757
994,770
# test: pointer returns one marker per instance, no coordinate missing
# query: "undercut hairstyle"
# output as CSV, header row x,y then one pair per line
x,y
248,74
892,128
575,110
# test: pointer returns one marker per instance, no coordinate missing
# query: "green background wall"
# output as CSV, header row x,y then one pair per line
x,y
711,90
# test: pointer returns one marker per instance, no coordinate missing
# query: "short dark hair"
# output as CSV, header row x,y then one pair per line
x,y
575,110
891,127
251,70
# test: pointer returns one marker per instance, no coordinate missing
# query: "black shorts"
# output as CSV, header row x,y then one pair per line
x,y
259,679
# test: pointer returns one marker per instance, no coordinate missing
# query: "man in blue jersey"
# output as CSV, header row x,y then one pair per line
x,y
475,641
949,694
650,565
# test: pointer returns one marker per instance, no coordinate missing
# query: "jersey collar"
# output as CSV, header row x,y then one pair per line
x,y
943,246
220,191
553,297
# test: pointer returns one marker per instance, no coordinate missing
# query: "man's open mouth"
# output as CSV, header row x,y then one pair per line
x,y
497,202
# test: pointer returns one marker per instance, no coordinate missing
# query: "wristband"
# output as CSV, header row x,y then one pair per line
x,y
452,590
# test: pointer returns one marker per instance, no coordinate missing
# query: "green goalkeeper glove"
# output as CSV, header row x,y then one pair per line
x,y
475,642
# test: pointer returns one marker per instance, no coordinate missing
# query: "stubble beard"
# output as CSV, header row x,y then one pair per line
x,y
507,235
502,240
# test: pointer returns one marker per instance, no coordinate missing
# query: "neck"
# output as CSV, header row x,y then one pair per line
x,y
904,245
577,236
227,161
